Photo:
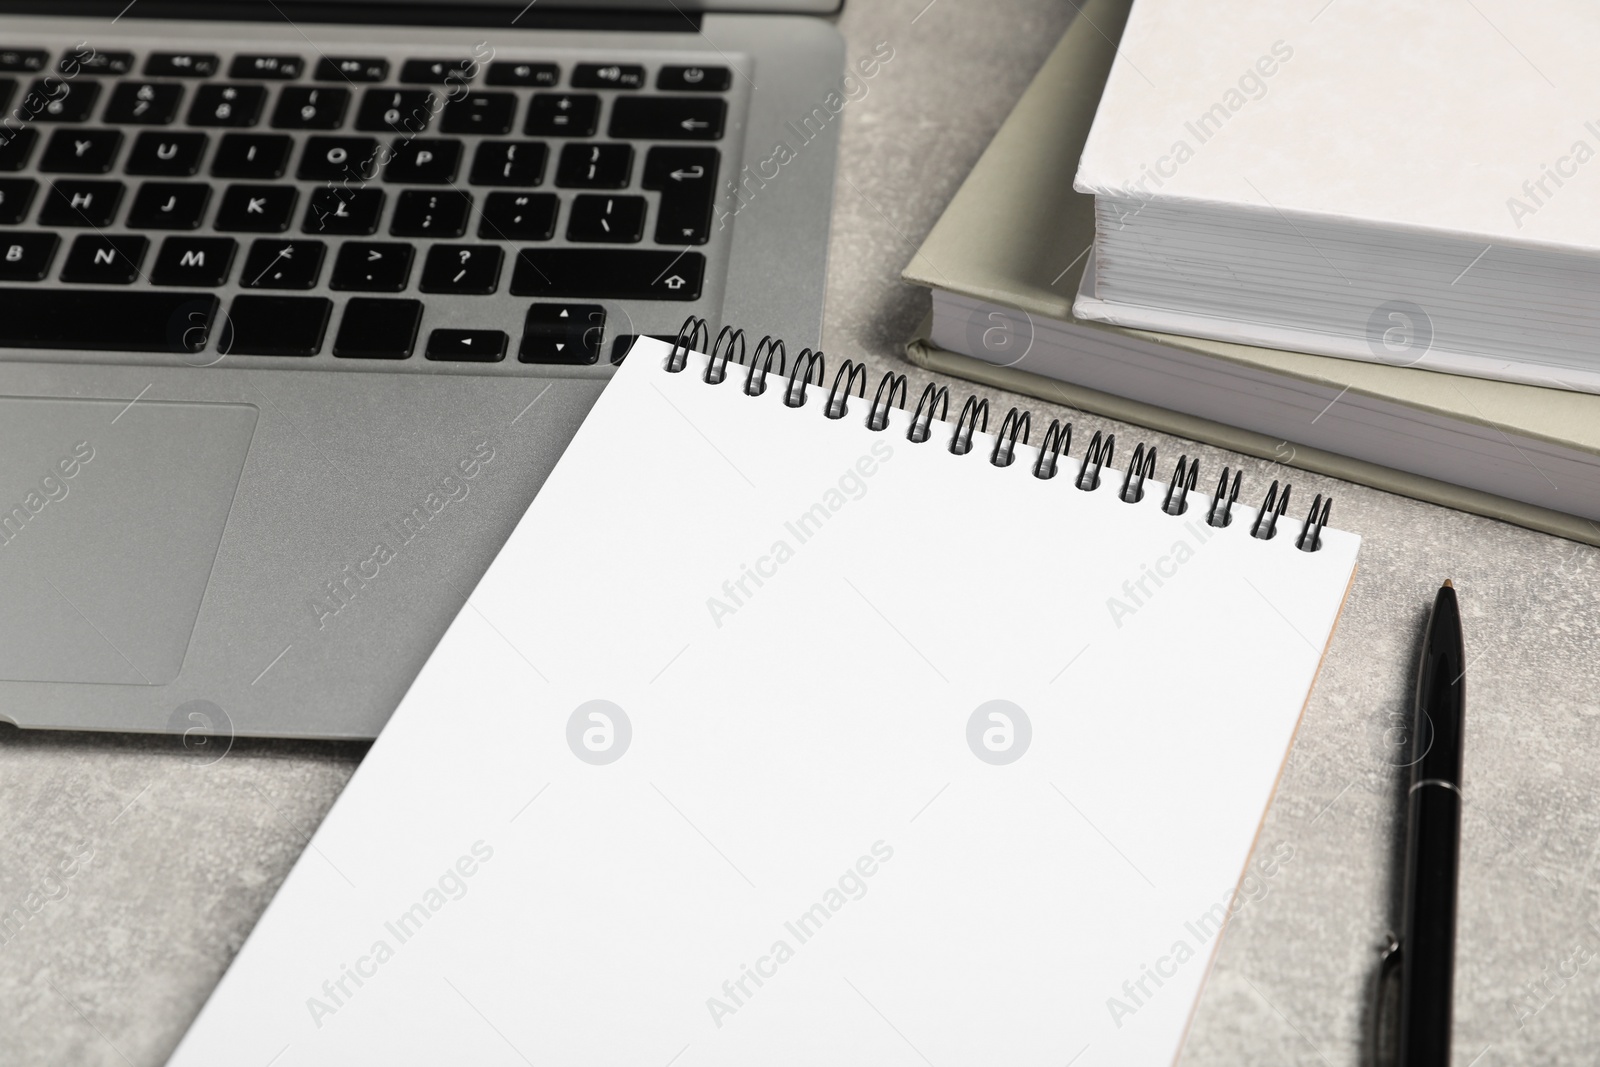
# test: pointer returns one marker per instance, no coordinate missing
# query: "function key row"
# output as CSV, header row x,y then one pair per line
x,y
86,60
369,69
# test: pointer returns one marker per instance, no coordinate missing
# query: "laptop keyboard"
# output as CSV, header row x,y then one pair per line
x,y
371,208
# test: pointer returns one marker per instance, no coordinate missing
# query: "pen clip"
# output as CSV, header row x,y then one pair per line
x,y
1384,1013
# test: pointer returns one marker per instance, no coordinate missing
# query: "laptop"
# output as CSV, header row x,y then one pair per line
x,y
301,301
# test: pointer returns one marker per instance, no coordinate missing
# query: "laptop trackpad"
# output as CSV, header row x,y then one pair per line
x,y
110,518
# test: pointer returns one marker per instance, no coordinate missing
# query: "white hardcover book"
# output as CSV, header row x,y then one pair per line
x,y
774,738
1410,183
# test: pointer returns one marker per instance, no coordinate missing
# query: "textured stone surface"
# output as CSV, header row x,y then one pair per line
x,y
184,850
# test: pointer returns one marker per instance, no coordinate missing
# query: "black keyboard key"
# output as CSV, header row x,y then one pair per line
x,y
227,105
25,257
467,346
694,79
105,319
16,147
252,155
202,261
687,181
23,60
81,151
101,260
562,333
539,75
143,103
256,208
352,69
509,163
343,211
275,326
372,268
594,166
266,68
168,155
668,118
311,107
378,329
468,269
437,71
518,216
85,60
283,265
339,159
80,203
562,115
610,219
607,76
488,113
396,110
306,107
169,206
53,100
8,89
622,274
622,344
423,161
668,168
182,64
425,213
16,196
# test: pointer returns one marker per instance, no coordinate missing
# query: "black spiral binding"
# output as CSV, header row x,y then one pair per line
x,y
878,417
934,405
754,386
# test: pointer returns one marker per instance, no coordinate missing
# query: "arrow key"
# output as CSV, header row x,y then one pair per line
x,y
563,333
469,346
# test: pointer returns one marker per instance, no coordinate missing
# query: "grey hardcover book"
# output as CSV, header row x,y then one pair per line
x,y
1008,259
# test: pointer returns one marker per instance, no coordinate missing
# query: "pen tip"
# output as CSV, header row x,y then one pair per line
x,y
1448,584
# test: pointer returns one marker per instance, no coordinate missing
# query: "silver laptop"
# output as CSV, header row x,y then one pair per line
x,y
300,302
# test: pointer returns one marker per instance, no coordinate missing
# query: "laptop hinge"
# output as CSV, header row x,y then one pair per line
x,y
443,13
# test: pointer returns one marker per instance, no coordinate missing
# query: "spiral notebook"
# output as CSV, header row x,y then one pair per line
x,y
806,720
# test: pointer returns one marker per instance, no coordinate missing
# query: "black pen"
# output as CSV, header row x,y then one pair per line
x,y
1433,842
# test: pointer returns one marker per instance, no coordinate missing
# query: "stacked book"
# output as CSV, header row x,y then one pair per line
x,y
1270,247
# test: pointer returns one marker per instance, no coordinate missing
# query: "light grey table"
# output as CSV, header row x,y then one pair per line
x,y
173,858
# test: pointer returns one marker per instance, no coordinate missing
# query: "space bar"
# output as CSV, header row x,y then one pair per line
x,y
106,319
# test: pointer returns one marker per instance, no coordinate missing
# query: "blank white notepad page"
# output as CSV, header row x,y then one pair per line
x,y
710,769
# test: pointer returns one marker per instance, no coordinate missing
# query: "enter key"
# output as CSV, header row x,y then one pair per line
x,y
686,178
